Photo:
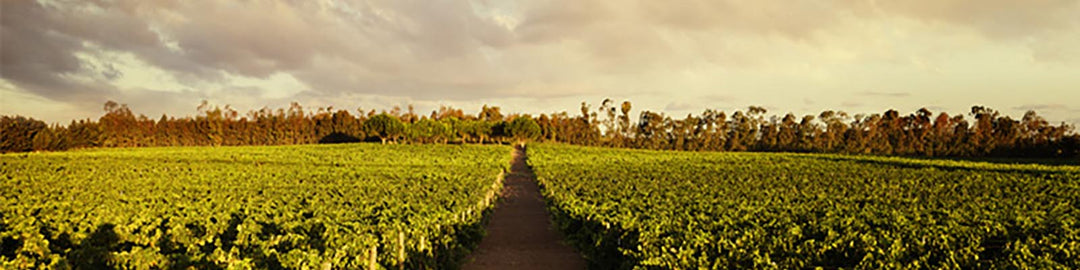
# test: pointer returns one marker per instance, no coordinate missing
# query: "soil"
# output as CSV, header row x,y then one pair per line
x,y
520,235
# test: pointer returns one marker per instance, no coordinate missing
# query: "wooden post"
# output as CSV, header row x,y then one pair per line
x,y
373,263
423,242
401,250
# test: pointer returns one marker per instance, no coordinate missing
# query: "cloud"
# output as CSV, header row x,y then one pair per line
x,y
394,42
679,107
37,59
721,98
155,54
994,18
885,94
852,104
1043,107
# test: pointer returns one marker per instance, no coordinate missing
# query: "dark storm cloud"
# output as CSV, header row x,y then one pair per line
x,y
36,54
366,46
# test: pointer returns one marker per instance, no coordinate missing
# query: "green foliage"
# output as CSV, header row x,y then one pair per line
x,y
480,131
891,133
300,207
695,210
385,127
429,131
523,128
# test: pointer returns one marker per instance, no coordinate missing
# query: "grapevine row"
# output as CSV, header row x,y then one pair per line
x,y
693,210
353,206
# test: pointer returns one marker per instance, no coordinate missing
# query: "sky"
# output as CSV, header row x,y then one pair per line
x,y
62,60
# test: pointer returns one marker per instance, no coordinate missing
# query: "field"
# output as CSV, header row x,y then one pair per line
x,y
370,206
687,210
312,206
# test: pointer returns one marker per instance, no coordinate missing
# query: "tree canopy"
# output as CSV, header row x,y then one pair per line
x,y
988,133
385,127
523,128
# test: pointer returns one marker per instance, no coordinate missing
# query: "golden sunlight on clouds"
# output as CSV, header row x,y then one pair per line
x,y
542,56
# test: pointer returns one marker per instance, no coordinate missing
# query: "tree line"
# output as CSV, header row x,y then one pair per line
x,y
921,133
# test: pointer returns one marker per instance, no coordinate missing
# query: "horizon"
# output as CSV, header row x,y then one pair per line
x,y
62,60
593,108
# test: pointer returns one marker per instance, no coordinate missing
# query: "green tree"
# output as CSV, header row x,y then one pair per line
x,y
490,114
429,131
385,127
523,128
478,130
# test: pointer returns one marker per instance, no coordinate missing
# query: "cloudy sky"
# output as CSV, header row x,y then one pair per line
x,y
62,60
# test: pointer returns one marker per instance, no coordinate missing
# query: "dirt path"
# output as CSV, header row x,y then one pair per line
x,y
520,235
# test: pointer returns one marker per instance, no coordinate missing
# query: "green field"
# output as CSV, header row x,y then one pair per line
x,y
687,210
421,206
311,206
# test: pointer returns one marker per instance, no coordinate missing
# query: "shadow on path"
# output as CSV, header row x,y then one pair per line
x,y
520,235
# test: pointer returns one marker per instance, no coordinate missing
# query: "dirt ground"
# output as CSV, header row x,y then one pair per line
x,y
520,235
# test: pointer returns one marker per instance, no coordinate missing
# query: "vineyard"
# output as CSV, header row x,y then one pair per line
x,y
694,210
356,206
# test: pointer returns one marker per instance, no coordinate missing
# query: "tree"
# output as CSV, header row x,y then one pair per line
x,y
385,127
17,133
460,128
85,133
920,128
490,114
445,112
481,130
788,135
920,133
806,134
428,131
624,119
714,129
835,128
50,139
739,127
523,128
607,109
982,138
